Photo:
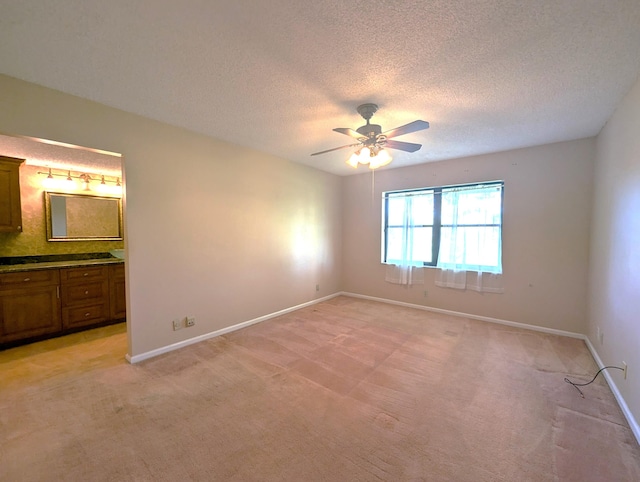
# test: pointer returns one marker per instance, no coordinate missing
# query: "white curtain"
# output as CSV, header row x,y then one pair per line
x,y
404,275
471,240
406,270
451,278
469,280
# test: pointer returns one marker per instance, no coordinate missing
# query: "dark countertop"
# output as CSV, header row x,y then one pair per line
x,y
27,263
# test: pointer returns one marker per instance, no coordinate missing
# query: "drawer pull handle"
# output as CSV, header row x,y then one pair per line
x,y
27,279
87,314
86,292
85,274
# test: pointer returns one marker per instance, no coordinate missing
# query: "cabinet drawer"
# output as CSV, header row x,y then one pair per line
x,y
83,273
85,293
84,315
41,277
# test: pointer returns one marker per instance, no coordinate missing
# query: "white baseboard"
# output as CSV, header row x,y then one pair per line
x,y
213,334
633,424
635,428
515,324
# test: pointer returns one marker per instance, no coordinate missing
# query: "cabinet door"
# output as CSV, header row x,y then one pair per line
x,y
10,208
117,294
29,312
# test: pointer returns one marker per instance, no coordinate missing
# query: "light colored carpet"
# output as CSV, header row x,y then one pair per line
x,y
345,390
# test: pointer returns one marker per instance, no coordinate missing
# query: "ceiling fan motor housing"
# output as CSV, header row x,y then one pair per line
x,y
369,130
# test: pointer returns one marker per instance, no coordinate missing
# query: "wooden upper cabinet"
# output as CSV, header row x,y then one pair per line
x,y
10,207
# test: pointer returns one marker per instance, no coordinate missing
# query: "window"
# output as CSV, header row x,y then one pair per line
x,y
453,227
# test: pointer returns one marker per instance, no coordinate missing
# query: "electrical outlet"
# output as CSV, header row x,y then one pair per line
x,y
624,372
191,320
317,287
426,293
177,325
600,335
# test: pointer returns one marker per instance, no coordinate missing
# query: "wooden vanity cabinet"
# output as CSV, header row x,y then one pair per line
x,y
41,303
85,295
29,304
10,207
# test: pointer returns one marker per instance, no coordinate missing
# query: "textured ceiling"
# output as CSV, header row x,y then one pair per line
x,y
279,75
65,157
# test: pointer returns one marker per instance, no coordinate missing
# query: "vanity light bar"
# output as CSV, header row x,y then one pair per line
x,y
86,178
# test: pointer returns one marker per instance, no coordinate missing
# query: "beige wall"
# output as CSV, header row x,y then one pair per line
x,y
33,238
227,234
213,230
545,240
614,288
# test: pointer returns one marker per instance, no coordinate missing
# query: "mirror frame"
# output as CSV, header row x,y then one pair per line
x,y
47,209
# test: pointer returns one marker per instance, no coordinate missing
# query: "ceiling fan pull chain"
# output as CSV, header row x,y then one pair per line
x,y
373,188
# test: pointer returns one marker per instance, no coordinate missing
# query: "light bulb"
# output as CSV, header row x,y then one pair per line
x,y
69,183
365,156
353,160
382,159
49,182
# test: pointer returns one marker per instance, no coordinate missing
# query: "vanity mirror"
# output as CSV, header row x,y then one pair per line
x,y
81,217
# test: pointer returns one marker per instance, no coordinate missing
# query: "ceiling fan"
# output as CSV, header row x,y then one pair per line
x,y
372,141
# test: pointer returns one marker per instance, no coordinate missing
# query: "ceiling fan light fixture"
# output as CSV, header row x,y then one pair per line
x,y
365,155
353,160
372,142
381,159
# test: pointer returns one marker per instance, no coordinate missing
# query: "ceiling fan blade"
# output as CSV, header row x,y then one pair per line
x,y
403,146
414,126
335,149
349,132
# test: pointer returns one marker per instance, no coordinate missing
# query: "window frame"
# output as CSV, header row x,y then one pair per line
x,y
436,191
